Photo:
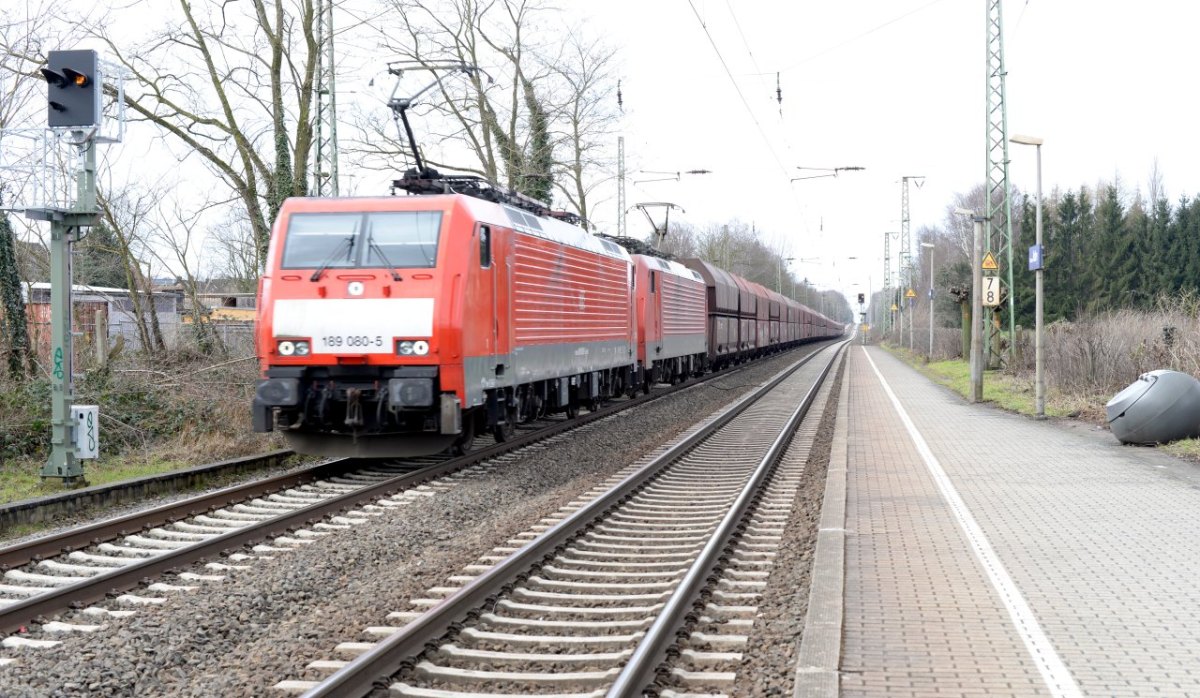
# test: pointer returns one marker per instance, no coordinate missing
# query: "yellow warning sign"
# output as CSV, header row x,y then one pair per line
x,y
894,308
911,294
989,263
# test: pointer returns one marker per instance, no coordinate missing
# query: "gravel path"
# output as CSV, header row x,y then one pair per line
x,y
240,636
769,660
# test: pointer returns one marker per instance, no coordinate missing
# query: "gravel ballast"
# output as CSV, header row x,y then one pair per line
x,y
240,636
769,660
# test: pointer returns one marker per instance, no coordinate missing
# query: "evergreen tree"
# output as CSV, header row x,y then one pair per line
x,y
1063,279
13,323
1023,294
1130,288
1102,244
97,259
1163,273
1186,228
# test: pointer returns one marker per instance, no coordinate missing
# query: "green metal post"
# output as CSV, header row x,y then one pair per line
x,y
65,230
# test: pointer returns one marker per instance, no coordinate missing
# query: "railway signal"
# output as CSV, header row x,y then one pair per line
x,y
73,84
72,90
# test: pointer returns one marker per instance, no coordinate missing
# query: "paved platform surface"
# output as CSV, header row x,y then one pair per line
x,y
994,555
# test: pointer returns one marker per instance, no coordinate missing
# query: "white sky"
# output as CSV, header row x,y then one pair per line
x,y
896,86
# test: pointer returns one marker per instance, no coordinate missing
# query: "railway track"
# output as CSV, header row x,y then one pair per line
x,y
88,564
48,509
648,586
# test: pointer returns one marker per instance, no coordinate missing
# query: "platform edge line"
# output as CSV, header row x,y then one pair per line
x,y
1057,677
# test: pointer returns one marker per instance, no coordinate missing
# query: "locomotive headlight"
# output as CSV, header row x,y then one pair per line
x,y
287,348
302,348
412,347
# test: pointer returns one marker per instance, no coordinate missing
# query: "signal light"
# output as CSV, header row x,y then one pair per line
x,y
54,77
862,298
72,96
79,79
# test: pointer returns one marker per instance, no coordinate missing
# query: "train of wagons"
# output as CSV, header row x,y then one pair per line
x,y
408,325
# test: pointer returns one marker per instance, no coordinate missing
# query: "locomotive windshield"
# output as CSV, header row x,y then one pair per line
x,y
403,239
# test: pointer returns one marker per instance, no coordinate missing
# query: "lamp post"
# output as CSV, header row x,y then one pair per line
x,y
929,245
1037,259
976,304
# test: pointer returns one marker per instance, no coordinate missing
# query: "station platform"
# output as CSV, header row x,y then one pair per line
x,y
966,551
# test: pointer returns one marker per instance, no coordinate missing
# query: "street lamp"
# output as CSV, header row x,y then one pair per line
x,y
976,304
832,171
930,246
1036,259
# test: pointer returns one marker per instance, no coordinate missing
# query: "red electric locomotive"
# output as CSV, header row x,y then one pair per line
x,y
671,320
405,325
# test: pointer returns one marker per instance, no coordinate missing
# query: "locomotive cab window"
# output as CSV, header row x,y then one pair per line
x,y
401,239
485,246
314,239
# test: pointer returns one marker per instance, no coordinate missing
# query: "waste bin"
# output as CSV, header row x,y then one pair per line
x,y
1160,406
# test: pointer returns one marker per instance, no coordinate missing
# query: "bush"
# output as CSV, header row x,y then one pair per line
x,y
1104,353
181,403
24,418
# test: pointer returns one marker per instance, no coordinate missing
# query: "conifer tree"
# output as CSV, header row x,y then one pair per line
x,y
1062,284
1129,286
1107,246
1163,275
97,259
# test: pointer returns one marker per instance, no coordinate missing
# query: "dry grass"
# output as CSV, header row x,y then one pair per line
x,y
1085,362
1101,354
160,414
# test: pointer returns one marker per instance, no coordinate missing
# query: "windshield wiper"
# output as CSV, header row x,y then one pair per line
x,y
348,243
374,246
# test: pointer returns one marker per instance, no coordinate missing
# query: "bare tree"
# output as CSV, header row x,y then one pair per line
x,y
680,241
233,258
240,100
584,118
739,248
498,117
19,27
129,212
959,227
177,232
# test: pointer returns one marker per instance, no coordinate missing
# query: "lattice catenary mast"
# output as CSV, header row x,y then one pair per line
x,y
621,186
325,154
998,207
905,256
887,281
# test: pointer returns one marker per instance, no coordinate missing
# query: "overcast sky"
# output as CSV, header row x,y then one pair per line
x,y
895,86
898,87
